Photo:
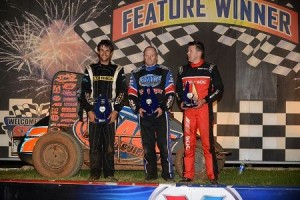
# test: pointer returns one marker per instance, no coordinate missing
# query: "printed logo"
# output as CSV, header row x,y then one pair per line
x,y
56,89
150,80
168,192
69,86
56,98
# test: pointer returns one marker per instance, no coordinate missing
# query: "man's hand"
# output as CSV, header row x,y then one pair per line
x,y
141,112
200,103
159,112
182,106
91,116
113,116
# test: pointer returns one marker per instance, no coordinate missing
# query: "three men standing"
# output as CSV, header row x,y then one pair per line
x,y
151,86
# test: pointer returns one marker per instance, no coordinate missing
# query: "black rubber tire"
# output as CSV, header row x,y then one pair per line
x,y
26,158
200,170
57,155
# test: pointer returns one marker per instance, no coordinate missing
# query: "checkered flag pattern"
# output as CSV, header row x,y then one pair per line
x,y
262,48
25,110
253,133
31,110
129,51
168,38
44,110
92,33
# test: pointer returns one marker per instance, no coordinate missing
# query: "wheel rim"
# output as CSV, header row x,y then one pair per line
x,y
55,156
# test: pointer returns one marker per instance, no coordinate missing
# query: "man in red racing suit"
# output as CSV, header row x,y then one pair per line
x,y
208,87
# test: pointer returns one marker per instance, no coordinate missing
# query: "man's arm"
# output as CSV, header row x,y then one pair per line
x,y
133,94
218,87
169,92
86,89
179,86
120,91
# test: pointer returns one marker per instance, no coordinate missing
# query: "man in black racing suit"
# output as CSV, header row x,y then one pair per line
x,y
108,81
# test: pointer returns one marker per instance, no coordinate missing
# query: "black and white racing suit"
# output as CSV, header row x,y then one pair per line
x,y
109,82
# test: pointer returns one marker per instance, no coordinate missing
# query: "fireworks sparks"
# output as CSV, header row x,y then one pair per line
x,y
20,44
41,47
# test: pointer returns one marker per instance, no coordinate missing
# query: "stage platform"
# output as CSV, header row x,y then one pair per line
x,y
84,190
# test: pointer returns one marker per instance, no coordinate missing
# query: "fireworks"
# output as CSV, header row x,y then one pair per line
x,y
40,47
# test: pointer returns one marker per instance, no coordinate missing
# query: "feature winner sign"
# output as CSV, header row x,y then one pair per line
x,y
149,14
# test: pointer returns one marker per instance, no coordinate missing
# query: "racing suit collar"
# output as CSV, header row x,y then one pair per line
x,y
150,68
198,64
104,65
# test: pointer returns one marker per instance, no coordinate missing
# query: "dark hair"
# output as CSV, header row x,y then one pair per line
x,y
106,43
199,46
150,47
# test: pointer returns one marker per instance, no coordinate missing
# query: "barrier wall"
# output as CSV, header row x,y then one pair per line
x,y
18,189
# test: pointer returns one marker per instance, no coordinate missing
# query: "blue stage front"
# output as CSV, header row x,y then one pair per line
x,y
55,190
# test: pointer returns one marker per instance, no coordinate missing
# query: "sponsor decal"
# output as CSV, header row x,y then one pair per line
x,y
66,109
54,117
103,78
150,80
69,115
69,93
54,111
56,104
70,104
156,91
66,120
56,89
69,99
66,77
69,86
129,148
187,143
56,98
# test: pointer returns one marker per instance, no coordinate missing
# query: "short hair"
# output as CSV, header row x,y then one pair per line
x,y
106,43
150,47
199,46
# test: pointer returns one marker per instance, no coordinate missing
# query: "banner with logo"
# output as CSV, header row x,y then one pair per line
x,y
109,191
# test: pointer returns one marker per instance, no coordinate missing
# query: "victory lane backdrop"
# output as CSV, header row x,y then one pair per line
x,y
258,117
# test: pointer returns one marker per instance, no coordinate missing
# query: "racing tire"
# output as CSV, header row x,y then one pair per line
x,y
200,170
57,155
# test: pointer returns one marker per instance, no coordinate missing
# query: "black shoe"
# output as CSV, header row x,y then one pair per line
x,y
214,182
185,180
112,178
93,178
168,179
150,178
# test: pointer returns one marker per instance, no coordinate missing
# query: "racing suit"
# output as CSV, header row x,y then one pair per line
x,y
109,82
208,83
154,129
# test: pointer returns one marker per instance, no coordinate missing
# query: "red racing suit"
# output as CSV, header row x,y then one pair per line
x,y
208,84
